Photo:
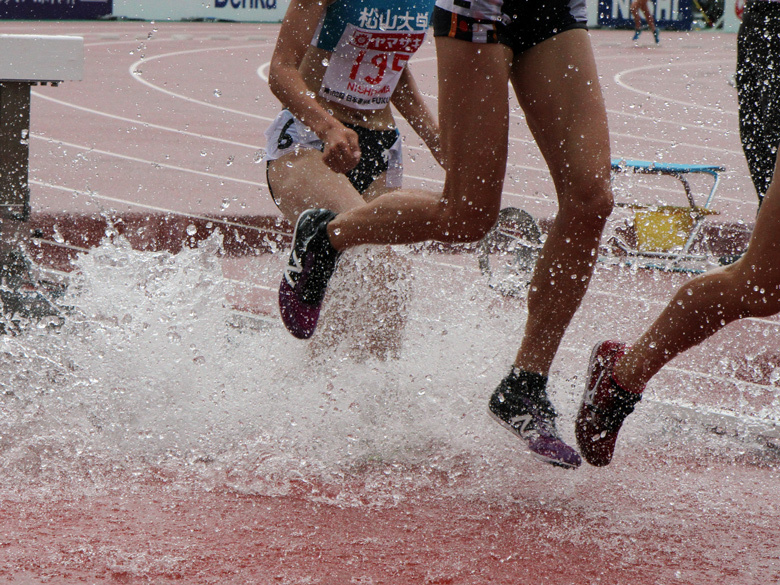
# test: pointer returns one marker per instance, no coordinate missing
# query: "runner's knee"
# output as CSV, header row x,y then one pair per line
x,y
467,216
757,291
587,201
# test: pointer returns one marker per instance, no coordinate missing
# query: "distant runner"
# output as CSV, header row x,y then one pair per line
x,y
641,6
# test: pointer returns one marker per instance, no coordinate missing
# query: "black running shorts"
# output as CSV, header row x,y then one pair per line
x,y
526,23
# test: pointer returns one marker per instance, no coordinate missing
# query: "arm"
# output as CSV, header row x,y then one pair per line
x,y
409,102
288,85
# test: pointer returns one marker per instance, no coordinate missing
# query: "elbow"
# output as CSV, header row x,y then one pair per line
x,y
273,81
277,74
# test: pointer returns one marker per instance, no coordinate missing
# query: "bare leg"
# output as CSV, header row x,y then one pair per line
x,y
300,181
642,6
474,122
649,17
635,14
557,85
748,288
372,288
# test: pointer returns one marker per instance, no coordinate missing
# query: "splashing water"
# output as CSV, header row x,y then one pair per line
x,y
150,372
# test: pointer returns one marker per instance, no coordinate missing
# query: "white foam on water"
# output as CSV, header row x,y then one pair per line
x,y
151,378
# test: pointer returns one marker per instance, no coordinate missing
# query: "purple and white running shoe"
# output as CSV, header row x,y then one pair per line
x,y
312,262
520,404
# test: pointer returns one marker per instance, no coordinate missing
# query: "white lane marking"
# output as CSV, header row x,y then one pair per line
x,y
151,163
139,78
156,208
139,123
657,96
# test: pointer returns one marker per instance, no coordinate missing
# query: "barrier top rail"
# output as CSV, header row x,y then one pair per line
x,y
676,170
41,58
27,60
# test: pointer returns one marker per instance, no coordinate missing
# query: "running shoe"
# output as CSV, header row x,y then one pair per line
x,y
637,32
520,405
605,406
312,262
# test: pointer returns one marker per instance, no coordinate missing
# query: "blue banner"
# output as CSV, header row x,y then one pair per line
x,y
669,14
55,9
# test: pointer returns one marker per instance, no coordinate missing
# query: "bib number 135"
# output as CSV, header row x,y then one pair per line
x,y
379,62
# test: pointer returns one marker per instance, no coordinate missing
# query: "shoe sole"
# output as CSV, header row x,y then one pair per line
x,y
591,369
542,458
299,318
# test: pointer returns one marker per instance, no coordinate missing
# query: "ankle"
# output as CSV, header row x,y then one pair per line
x,y
333,235
620,381
532,380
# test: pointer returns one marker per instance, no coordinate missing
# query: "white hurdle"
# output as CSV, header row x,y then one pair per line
x,y
27,60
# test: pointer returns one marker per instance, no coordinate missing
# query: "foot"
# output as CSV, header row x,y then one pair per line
x,y
637,32
312,262
605,406
656,37
520,404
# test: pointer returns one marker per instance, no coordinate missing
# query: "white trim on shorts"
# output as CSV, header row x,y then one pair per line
x,y
304,137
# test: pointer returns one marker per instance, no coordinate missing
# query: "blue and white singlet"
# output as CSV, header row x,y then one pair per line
x,y
371,42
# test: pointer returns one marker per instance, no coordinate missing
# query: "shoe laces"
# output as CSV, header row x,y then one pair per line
x,y
544,415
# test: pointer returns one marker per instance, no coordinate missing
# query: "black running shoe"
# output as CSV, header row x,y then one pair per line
x,y
520,405
605,406
312,262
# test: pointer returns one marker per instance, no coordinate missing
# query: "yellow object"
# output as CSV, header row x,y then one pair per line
x,y
663,228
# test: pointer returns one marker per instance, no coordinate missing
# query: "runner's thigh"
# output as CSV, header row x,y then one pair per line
x,y
474,117
764,248
557,85
300,181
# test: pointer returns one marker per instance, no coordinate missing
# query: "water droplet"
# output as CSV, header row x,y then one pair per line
x,y
192,230
217,93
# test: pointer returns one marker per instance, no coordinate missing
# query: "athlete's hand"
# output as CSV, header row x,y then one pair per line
x,y
342,152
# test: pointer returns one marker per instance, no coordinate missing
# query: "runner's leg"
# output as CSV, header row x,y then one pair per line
x,y
649,16
301,180
635,6
557,85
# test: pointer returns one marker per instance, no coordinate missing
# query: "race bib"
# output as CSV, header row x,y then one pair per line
x,y
366,65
